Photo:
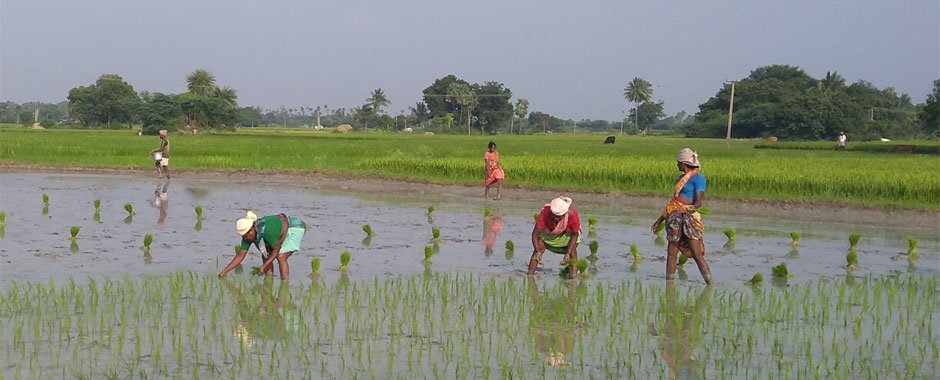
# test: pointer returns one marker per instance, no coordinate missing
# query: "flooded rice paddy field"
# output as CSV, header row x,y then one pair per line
x,y
103,307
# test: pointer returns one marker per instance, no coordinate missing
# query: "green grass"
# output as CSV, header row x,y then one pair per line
x,y
641,165
919,147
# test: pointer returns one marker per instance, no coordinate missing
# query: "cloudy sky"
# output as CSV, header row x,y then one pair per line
x,y
569,58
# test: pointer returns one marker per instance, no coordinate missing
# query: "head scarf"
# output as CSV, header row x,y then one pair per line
x,y
163,132
244,224
689,157
560,205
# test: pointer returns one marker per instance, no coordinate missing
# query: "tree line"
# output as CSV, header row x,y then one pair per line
x,y
776,100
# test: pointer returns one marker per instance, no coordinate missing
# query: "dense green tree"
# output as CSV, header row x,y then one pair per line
x,y
647,114
421,113
462,95
201,82
492,109
109,100
438,99
159,111
206,112
930,113
547,122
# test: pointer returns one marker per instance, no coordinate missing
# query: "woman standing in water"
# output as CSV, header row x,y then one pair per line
x,y
281,235
684,228
493,172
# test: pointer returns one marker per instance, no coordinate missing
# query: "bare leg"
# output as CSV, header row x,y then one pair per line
x,y
698,254
536,256
672,258
573,265
282,264
270,270
486,192
166,171
159,171
499,186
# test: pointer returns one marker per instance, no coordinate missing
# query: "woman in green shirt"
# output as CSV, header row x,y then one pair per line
x,y
281,235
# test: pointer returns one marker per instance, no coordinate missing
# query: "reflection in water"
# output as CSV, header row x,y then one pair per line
x,y
553,320
160,201
681,332
492,225
73,248
264,315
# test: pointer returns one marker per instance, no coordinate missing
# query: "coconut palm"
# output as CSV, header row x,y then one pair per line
x,y
638,91
522,108
463,95
378,100
420,112
832,82
227,95
201,82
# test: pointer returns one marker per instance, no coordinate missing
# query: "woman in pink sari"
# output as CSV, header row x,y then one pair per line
x,y
494,173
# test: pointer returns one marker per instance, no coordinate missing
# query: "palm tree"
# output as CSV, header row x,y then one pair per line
x,y
227,95
378,100
522,108
831,83
638,91
200,82
420,112
463,95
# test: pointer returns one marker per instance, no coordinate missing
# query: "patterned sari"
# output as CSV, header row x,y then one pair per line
x,y
682,225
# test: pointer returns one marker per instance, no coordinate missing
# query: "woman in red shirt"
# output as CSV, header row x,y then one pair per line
x,y
557,229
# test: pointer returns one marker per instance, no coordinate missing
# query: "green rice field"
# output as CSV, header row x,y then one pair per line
x,y
636,165
455,326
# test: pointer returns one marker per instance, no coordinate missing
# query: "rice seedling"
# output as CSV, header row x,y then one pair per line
x,y
428,252
430,210
794,252
315,267
368,230
435,234
73,247
731,234
851,259
853,240
535,216
97,203
592,223
912,247
582,265
45,200
148,239
198,225
74,232
198,210
757,279
682,260
130,209
255,271
794,238
510,246
635,252
344,261
487,213
593,245
780,271
3,218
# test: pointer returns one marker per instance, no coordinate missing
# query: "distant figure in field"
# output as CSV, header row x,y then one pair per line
x,y
610,140
162,160
557,229
684,228
281,235
841,140
493,172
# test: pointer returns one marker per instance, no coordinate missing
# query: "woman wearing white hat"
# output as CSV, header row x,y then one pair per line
x,y
684,228
557,229
281,235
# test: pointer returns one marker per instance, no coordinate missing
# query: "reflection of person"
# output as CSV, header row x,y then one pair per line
x,y
557,229
681,334
491,227
684,228
263,318
163,162
494,173
160,202
281,235
841,139
553,322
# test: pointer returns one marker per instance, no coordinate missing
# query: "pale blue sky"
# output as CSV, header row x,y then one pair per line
x,y
569,58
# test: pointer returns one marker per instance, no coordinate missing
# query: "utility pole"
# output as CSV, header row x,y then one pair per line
x,y
623,117
730,112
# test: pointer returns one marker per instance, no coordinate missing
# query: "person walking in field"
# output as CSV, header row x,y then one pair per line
x,y
841,139
493,172
684,228
162,160
557,229
281,235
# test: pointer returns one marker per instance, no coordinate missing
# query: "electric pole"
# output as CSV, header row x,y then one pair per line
x,y
730,112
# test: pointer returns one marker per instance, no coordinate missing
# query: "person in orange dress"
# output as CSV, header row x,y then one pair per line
x,y
494,173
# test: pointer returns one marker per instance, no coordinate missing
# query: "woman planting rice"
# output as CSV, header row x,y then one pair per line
x,y
557,229
684,229
281,235
494,173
